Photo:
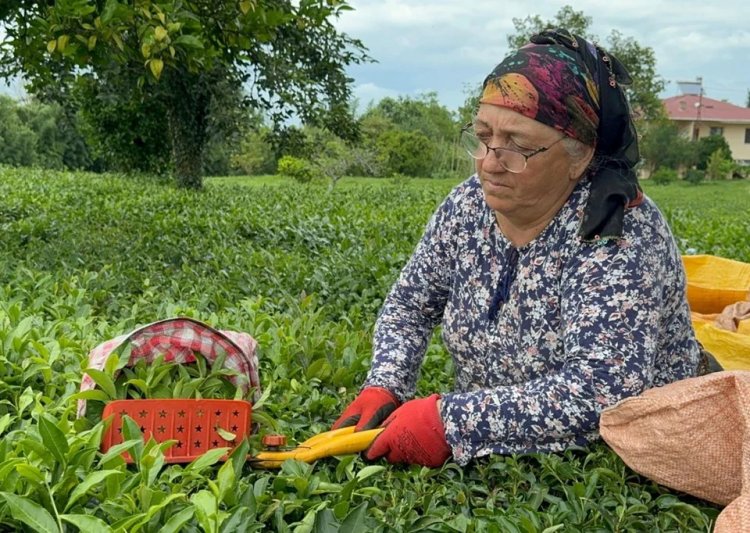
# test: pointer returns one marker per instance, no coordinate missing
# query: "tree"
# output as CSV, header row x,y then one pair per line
x,y
640,61
662,146
17,140
424,115
174,53
567,17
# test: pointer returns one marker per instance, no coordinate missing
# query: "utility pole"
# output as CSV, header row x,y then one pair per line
x,y
699,107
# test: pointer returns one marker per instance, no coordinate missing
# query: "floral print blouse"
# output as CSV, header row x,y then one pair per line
x,y
583,324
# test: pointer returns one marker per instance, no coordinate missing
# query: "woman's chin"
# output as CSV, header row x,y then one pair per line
x,y
497,198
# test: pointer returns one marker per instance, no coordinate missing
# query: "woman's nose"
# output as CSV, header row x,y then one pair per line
x,y
492,162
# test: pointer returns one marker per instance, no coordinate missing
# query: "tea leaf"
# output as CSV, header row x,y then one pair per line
x,y
30,513
86,522
54,439
89,482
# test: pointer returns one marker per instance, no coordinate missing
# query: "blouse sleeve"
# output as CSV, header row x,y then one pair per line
x,y
611,304
414,307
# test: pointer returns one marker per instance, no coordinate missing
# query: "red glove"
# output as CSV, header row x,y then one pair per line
x,y
369,409
413,434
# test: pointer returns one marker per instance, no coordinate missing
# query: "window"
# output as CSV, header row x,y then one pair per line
x,y
747,135
716,131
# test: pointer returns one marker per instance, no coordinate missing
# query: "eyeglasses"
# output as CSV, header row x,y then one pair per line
x,y
511,160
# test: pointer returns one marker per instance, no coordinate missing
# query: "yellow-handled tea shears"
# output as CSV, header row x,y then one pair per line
x,y
327,444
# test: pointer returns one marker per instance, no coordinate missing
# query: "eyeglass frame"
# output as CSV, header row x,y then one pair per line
x,y
526,157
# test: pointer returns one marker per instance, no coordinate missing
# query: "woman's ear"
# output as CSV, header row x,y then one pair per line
x,y
578,165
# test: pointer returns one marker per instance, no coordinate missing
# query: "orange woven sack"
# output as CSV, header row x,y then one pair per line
x,y
714,282
692,436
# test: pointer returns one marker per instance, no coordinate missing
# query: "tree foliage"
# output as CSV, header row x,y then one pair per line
x,y
640,61
421,120
708,146
662,146
174,53
37,134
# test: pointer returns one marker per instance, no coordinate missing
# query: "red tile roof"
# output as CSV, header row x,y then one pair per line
x,y
685,107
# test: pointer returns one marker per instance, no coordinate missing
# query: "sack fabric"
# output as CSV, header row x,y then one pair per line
x,y
692,436
178,339
713,282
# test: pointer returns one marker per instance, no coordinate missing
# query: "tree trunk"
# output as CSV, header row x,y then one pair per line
x,y
189,100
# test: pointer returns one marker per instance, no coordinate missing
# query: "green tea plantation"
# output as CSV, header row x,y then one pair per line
x,y
304,270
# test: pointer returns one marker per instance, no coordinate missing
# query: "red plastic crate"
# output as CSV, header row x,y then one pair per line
x,y
192,423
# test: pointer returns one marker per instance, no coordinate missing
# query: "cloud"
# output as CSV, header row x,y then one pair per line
x,y
369,92
444,44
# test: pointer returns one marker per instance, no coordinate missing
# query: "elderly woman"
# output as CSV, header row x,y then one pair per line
x,y
558,284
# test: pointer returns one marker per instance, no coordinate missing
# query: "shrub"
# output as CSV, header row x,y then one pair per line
x,y
662,176
254,155
298,169
405,152
694,176
707,146
719,166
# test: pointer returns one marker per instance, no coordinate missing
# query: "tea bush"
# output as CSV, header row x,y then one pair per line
x,y
303,270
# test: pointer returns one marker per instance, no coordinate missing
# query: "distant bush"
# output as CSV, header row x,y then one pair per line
x,y
405,152
662,176
741,172
298,169
719,166
707,146
694,176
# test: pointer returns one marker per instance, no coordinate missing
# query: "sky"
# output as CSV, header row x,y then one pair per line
x,y
449,46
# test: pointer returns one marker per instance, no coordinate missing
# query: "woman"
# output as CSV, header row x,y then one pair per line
x,y
559,285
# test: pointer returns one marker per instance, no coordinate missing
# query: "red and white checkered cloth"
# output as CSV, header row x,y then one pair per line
x,y
178,339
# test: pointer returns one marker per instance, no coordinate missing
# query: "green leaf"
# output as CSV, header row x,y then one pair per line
x,y
325,522
369,471
226,435
26,399
175,523
355,520
54,439
188,41
141,384
109,11
86,523
104,381
89,482
225,479
30,513
94,395
239,457
30,472
4,422
132,431
205,509
118,449
207,459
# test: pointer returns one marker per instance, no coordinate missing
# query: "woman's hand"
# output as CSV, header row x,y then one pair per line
x,y
413,434
369,409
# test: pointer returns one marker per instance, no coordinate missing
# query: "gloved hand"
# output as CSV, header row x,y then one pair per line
x,y
369,409
413,434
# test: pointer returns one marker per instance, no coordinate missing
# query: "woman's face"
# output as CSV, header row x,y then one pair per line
x,y
549,177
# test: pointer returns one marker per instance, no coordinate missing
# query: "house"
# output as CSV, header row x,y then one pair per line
x,y
699,116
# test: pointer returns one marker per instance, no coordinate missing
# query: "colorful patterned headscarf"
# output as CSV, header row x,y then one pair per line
x,y
574,86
